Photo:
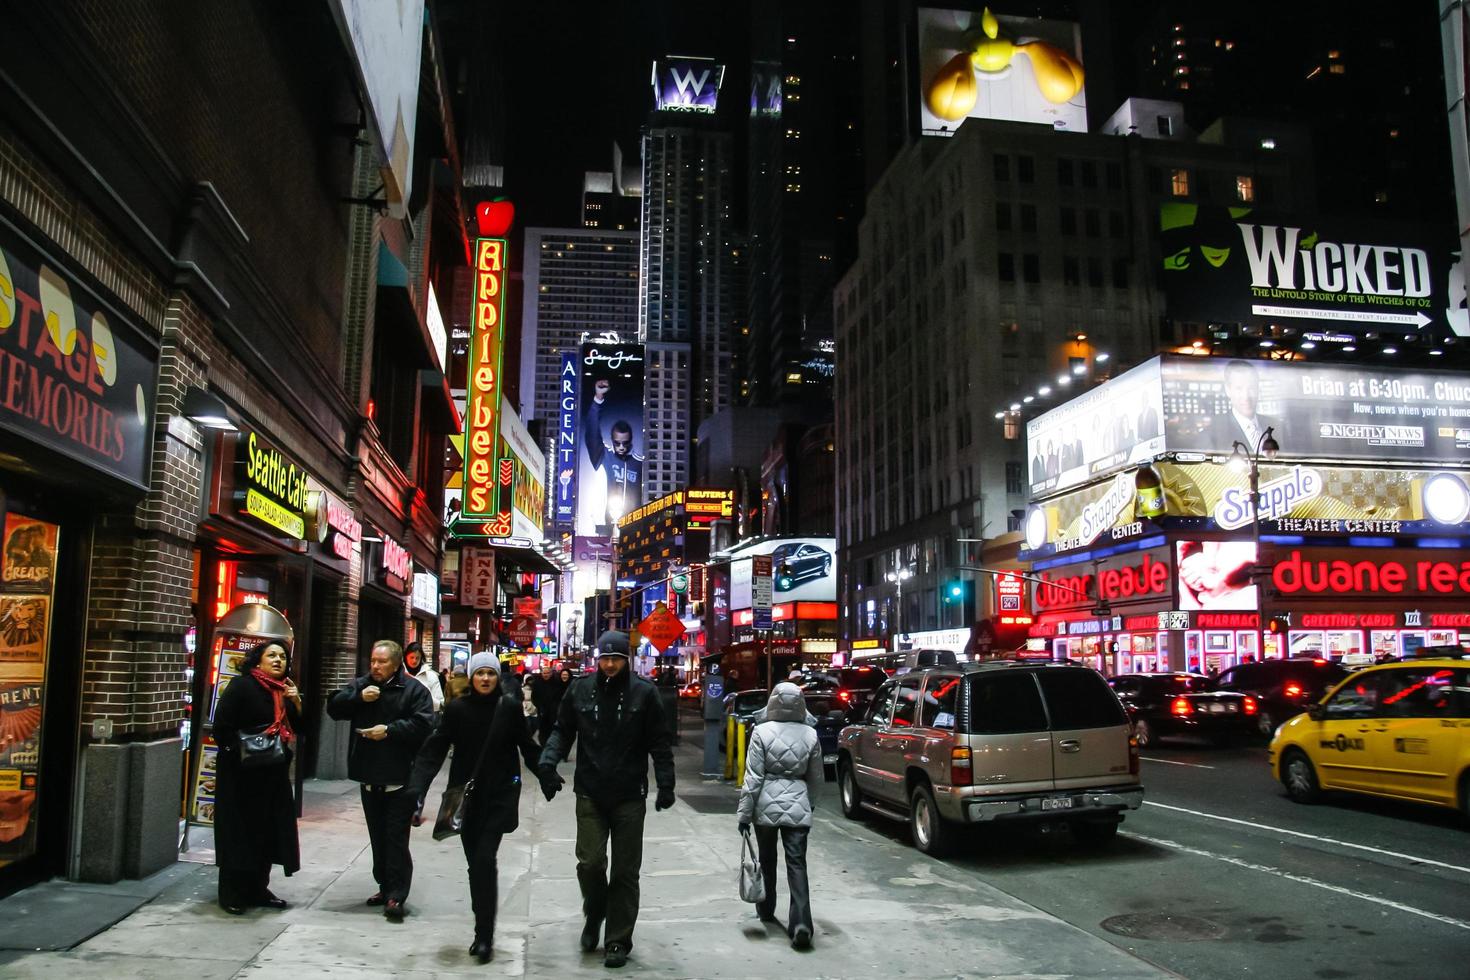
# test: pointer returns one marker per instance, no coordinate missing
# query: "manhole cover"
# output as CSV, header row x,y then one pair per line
x,y
1173,928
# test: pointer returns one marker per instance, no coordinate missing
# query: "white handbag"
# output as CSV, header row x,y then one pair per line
x,y
752,882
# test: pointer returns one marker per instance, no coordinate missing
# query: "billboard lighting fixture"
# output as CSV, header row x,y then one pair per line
x,y
1308,345
1446,499
1268,343
1103,357
1197,344
1000,415
1348,348
1029,399
1079,369
1436,352
1044,390
1015,406
1064,380
1079,337
1390,350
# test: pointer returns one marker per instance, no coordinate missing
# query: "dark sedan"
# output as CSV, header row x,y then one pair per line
x,y
831,716
1161,705
1283,689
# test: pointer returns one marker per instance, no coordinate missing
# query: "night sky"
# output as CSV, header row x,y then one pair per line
x,y
578,77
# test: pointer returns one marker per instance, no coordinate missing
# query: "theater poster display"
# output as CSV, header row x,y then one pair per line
x,y
1234,264
979,65
610,464
28,572
1317,411
1115,425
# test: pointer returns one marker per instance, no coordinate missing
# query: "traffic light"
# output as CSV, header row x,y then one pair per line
x,y
1277,625
956,590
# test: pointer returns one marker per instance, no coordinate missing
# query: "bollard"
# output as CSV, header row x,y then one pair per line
x,y
740,764
730,747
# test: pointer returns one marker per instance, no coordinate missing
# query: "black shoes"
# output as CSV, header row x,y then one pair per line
x,y
376,898
483,950
394,910
232,909
591,935
801,938
271,901
616,955
767,916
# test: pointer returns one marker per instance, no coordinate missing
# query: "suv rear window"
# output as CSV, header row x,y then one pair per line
x,y
1079,699
1003,703
860,678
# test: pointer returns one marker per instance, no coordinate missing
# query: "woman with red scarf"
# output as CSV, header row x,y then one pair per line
x,y
255,809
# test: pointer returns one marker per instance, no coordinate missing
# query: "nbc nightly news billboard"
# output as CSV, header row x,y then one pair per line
x,y
1239,265
687,84
975,65
1205,405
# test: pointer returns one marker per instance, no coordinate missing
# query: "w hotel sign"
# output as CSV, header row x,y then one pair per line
x,y
687,84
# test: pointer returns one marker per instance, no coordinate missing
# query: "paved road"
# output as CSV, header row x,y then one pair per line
x,y
1239,880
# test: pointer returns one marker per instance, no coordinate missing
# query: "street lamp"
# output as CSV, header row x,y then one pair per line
x,y
1243,457
898,576
614,514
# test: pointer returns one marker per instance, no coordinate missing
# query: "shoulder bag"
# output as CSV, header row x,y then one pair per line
x,y
259,749
456,801
752,882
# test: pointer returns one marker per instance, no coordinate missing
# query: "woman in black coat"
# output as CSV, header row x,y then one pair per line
x,y
488,721
255,808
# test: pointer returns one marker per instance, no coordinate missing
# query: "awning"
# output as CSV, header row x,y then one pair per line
x,y
526,559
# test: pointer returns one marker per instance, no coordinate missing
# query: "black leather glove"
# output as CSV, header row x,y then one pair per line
x,y
551,783
744,827
665,799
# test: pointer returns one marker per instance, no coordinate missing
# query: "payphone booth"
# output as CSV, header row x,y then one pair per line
x,y
238,632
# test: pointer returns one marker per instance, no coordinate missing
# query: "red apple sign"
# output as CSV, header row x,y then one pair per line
x,y
495,217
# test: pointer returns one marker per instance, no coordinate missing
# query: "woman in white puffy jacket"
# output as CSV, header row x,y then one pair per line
x,y
783,769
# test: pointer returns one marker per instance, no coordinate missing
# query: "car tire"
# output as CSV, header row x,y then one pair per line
x,y
1265,724
826,568
1300,777
1095,833
848,794
1145,734
933,835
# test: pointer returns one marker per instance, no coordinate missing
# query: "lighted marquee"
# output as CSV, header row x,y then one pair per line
x,y
487,493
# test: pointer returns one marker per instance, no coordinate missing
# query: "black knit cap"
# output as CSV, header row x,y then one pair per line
x,y
612,643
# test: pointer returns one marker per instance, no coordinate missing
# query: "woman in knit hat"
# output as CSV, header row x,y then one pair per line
x,y
486,731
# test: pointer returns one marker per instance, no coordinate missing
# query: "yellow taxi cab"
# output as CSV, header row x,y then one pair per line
x,y
1399,730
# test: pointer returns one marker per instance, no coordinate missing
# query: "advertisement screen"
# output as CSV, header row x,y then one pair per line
x,y
1224,264
1316,411
564,463
610,463
803,570
1216,574
975,65
1112,426
687,84
528,496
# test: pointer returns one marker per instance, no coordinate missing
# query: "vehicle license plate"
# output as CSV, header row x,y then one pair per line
x,y
828,760
1057,803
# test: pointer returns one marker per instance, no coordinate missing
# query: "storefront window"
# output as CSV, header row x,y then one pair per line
x,y
1385,644
1344,643
1305,643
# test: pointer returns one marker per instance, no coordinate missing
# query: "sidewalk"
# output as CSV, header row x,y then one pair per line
x,y
881,910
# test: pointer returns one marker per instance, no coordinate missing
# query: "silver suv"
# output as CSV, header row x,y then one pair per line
x,y
1002,740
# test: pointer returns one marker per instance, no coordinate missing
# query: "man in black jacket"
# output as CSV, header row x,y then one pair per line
x,y
391,715
621,724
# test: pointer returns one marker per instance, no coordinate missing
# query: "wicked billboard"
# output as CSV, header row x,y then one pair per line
x,y
1240,265
74,375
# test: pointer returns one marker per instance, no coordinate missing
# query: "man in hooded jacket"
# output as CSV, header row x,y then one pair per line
x,y
783,771
620,722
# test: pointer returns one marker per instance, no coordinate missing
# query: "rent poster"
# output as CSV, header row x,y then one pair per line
x,y
20,756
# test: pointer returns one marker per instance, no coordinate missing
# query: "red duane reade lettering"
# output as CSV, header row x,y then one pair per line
x,y
1340,576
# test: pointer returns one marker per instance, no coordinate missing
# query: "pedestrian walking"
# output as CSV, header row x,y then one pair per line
x,y
391,715
486,730
413,661
546,695
254,805
783,770
621,724
457,686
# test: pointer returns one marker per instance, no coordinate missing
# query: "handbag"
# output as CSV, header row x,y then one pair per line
x,y
456,800
752,882
259,749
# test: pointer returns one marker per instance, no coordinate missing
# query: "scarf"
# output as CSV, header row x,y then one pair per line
x,y
279,725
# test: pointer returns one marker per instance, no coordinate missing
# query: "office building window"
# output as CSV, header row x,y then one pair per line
x,y
1002,216
1064,172
1071,270
1013,477
1031,267
1179,182
1028,217
1025,169
1002,167
1005,267
1245,190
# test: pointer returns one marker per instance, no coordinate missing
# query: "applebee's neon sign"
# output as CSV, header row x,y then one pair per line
x,y
1278,498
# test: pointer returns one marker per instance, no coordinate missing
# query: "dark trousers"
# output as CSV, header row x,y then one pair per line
x,y
610,896
389,819
243,888
481,850
793,841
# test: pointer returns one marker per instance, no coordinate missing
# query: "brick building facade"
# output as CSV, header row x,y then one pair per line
x,y
190,214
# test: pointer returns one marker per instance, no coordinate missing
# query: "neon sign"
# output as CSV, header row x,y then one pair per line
x,y
488,480
1337,575
1149,577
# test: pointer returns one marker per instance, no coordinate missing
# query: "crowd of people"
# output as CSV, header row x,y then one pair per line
x,y
406,720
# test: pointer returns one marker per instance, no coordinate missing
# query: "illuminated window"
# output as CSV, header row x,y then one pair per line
x,y
1179,182
1337,69
1013,425
1245,189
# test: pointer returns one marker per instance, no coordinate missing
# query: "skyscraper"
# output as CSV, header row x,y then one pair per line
x,y
691,296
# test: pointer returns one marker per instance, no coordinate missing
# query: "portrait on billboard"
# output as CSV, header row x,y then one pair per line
x,y
1216,574
610,476
1217,413
1105,429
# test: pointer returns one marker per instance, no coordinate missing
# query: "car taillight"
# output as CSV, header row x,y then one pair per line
x,y
1292,690
960,773
1250,706
1132,756
1181,706
844,695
